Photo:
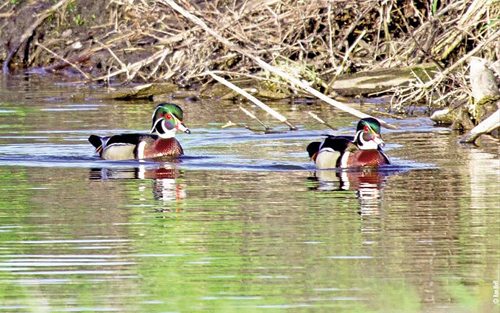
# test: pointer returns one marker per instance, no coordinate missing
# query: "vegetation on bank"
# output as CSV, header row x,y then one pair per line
x,y
319,42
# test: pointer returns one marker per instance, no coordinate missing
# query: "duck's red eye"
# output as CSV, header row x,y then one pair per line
x,y
168,116
366,129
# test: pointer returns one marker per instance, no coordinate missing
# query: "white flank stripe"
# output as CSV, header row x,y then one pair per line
x,y
343,160
140,149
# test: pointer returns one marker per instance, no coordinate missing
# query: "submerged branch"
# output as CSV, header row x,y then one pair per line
x,y
317,118
259,103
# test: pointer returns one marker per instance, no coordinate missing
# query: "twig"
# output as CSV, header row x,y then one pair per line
x,y
253,116
133,67
317,118
271,68
229,124
265,130
275,114
160,61
4,4
355,24
419,46
64,60
340,69
123,65
443,74
330,33
474,10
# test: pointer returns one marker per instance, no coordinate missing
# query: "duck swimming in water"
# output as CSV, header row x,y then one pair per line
x,y
362,149
167,119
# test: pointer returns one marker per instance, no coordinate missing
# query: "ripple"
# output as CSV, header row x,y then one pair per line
x,y
349,257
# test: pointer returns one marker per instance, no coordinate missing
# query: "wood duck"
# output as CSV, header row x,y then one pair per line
x,y
167,119
363,149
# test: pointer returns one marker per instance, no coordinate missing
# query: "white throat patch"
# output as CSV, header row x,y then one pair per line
x,y
365,145
167,133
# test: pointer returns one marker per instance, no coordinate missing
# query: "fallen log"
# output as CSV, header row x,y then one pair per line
x,y
483,113
485,127
484,105
383,80
146,91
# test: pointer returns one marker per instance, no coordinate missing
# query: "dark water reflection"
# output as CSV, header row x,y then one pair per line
x,y
243,222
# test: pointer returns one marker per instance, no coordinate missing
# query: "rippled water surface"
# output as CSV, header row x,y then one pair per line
x,y
242,223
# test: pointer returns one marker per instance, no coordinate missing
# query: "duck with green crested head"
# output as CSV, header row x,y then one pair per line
x,y
167,119
363,149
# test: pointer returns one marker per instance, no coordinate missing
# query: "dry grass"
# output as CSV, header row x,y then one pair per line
x,y
316,41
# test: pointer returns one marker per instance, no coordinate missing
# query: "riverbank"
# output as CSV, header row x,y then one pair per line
x,y
319,42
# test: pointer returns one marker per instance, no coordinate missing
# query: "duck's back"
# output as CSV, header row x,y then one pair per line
x,y
327,154
120,147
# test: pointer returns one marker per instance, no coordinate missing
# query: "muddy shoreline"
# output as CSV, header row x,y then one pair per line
x,y
414,51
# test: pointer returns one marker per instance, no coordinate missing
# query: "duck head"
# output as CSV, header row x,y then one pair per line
x,y
167,119
368,134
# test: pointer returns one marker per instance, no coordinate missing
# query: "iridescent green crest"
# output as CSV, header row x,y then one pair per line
x,y
164,108
371,122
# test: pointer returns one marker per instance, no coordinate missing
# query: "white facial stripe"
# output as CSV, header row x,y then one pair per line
x,y
155,111
154,125
358,136
322,143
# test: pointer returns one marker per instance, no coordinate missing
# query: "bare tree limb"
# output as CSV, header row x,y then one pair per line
x,y
270,68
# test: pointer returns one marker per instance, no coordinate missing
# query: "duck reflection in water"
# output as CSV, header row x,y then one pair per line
x,y
368,184
165,177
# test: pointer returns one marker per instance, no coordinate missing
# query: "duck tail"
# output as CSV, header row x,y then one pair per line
x,y
97,142
313,149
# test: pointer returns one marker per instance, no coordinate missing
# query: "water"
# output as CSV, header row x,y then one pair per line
x,y
242,223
